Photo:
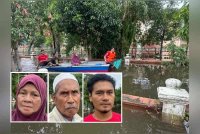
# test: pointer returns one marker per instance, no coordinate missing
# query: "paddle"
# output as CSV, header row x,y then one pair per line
x,y
117,63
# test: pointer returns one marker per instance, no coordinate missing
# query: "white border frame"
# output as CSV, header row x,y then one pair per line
x,y
11,97
48,96
81,98
121,97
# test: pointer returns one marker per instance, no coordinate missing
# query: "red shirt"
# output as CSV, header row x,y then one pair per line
x,y
42,57
115,118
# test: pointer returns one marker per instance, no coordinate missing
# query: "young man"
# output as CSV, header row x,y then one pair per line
x,y
66,98
101,89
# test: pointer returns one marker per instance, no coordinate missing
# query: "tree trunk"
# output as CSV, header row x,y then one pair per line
x,y
16,57
29,49
89,53
58,45
124,7
161,44
120,44
54,38
187,48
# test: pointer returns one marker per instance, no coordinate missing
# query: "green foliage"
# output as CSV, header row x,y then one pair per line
x,y
183,18
133,12
178,54
163,23
39,40
72,40
28,22
96,23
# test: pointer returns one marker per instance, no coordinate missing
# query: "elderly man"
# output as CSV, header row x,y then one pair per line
x,y
101,89
66,98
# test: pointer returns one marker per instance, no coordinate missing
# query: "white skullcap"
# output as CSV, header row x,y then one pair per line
x,y
62,76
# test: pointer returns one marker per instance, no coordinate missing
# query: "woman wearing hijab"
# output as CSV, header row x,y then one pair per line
x,y
31,99
75,60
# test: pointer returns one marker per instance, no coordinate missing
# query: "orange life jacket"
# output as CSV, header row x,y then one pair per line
x,y
110,56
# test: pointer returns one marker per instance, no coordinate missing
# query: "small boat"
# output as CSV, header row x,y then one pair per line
x,y
81,68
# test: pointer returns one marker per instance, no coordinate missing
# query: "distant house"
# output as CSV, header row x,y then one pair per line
x,y
153,50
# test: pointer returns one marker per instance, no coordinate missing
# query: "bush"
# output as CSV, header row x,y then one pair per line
x,y
178,54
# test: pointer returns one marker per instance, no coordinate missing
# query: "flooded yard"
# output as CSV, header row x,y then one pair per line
x,y
139,80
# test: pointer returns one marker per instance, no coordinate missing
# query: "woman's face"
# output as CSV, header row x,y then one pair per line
x,y
28,100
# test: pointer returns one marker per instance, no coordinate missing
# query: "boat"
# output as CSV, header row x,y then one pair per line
x,y
98,67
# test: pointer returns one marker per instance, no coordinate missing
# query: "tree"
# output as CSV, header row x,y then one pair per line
x,y
19,32
94,23
27,25
163,26
178,54
183,17
133,13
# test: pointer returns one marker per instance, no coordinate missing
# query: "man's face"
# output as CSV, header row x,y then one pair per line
x,y
113,50
103,96
67,97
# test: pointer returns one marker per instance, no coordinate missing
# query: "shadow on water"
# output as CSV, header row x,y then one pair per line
x,y
137,80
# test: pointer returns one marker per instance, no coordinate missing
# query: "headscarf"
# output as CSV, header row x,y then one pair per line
x,y
40,85
75,59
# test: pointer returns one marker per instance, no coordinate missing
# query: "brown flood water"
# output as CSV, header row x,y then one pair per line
x,y
135,120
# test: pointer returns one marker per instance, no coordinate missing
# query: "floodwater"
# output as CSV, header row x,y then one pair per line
x,y
27,65
143,80
137,80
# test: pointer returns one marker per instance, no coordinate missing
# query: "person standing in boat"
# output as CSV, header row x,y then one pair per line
x,y
75,60
110,56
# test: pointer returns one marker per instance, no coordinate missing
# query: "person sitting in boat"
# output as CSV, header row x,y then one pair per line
x,y
75,60
54,59
43,58
110,56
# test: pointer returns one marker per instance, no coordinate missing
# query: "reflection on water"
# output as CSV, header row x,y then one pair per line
x,y
135,121
143,80
147,122
137,80
27,65
37,128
